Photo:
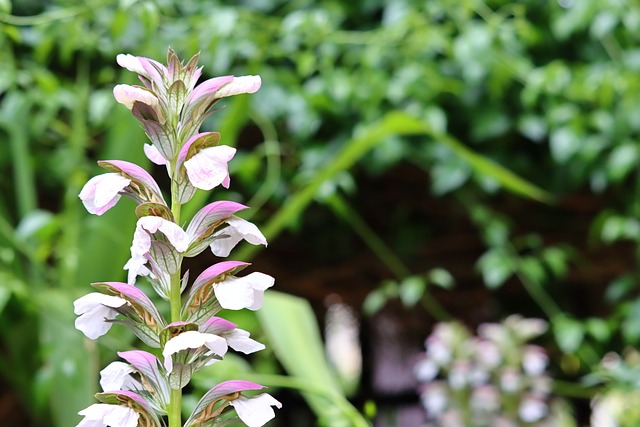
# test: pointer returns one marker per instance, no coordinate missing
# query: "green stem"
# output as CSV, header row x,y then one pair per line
x,y
175,301
175,419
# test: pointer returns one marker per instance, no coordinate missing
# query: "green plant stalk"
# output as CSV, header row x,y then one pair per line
x,y
384,253
537,292
175,301
399,124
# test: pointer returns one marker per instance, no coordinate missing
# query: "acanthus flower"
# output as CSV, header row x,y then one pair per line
x,y
253,411
120,408
97,312
188,351
146,227
202,227
238,229
102,192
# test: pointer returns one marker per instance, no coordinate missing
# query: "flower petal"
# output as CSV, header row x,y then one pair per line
x,y
239,85
101,192
207,88
127,95
193,340
237,230
239,340
94,311
101,414
116,377
255,411
236,293
154,155
208,168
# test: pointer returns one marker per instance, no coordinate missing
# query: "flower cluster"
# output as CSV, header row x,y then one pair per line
x,y
145,388
617,404
494,379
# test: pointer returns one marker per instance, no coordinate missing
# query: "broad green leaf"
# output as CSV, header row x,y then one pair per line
x,y
293,334
72,364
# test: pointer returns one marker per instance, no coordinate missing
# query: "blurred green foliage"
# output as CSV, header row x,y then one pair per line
x,y
482,96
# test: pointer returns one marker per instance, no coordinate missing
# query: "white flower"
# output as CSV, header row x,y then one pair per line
x,y
434,399
192,340
255,411
101,192
510,379
145,227
459,375
230,236
104,415
425,370
94,311
532,409
116,377
534,360
236,293
208,168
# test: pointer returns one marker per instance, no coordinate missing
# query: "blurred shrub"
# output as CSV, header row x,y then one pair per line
x,y
547,90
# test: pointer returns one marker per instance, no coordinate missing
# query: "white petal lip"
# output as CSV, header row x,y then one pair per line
x,y
154,155
127,95
101,192
237,230
239,85
255,411
237,293
92,310
208,168
115,376
194,340
131,63
102,414
238,339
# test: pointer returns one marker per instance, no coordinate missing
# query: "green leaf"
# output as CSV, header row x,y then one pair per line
x,y
598,328
293,334
629,326
5,6
564,144
72,364
568,332
412,289
374,302
496,267
441,277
